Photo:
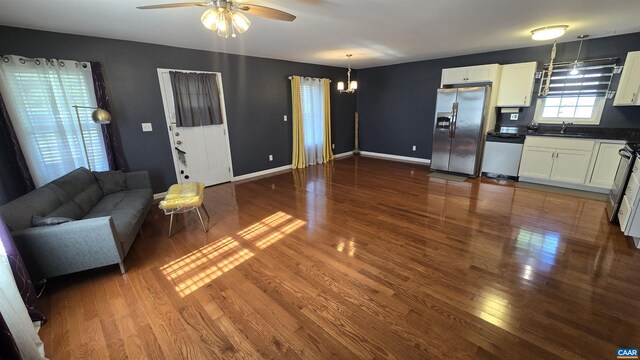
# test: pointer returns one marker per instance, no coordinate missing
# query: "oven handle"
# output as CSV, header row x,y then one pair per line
x,y
624,154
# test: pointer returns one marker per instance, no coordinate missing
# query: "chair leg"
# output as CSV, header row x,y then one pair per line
x,y
122,270
170,224
201,222
206,212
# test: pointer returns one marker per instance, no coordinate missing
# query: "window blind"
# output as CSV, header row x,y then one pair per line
x,y
594,78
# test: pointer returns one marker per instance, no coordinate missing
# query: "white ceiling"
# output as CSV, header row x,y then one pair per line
x,y
377,32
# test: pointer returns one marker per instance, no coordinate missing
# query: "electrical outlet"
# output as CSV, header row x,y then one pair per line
x,y
147,127
414,148
333,146
270,157
285,118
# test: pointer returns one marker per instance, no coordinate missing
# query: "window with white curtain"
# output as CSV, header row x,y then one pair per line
x,y
40,95
312,99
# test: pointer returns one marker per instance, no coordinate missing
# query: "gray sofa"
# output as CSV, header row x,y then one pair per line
x,y
104,229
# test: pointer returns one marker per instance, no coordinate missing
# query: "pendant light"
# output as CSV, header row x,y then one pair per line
x,y
353,85
575,70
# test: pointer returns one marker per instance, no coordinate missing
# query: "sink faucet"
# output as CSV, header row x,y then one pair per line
x,y
565,125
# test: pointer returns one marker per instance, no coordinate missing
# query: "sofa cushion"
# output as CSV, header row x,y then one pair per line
x,y
73,183
127,199
47,221
17,213
124,207
111,181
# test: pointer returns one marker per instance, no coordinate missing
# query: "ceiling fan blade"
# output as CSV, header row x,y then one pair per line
x,y
266,12
176,5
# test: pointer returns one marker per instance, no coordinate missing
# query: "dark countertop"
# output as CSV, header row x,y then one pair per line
x,y
588,132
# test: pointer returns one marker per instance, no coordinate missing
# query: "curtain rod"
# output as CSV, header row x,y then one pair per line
x,y
307,77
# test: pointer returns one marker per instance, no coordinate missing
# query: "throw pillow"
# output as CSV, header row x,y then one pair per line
x,y
111,181
47,221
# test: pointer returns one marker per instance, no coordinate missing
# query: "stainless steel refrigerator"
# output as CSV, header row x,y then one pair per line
x,y
458,129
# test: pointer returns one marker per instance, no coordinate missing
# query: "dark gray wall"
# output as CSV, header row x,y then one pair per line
x,y
257,95
396,103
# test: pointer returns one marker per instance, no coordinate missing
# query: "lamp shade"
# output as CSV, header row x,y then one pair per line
x,y
210,19
101,116
548,32
340,86
353,85
240,22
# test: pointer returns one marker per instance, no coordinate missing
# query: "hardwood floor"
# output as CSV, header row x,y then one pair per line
x,y
362,259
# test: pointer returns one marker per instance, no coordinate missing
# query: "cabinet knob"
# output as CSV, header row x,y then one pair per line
x,y
525,100
633,97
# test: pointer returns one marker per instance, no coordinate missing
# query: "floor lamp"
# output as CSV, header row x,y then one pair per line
x,y
99,116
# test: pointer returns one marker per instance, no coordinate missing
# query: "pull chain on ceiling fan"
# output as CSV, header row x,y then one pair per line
x,y
226,17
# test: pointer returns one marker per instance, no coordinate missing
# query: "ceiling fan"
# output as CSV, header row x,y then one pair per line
x,y
226,16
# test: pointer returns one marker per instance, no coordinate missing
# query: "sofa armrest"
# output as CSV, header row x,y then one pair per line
x,y
138,180
61,249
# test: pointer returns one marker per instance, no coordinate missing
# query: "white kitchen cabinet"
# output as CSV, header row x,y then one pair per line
x,y
606,164
516,84
470,74
570,166
628,92
537,162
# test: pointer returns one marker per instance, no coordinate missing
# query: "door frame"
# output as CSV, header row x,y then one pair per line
x,y
223,109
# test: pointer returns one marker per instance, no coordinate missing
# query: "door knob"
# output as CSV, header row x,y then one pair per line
x,y
179,142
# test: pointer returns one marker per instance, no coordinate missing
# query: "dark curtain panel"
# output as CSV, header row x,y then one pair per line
x,y
8,348
20,274
111,145
15,146
196,98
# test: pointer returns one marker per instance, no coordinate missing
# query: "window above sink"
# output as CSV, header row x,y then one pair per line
x,y
578,109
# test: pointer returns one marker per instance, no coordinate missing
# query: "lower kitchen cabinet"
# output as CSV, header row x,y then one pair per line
x,y
571,166
537,162
606,164
575,163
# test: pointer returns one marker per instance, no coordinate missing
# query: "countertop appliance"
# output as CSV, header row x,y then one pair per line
x,y
628,156
502,152
457,131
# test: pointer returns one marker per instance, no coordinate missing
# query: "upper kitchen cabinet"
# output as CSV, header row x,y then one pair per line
x,y
629,88
470,74
516,84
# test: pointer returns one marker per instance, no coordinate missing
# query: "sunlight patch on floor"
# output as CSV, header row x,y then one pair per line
x,y
200,267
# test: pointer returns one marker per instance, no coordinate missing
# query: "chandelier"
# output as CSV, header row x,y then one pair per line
x,y
224,21
353,85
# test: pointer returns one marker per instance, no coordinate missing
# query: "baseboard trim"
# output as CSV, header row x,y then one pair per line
x,y
261,173
399,158
580,187
342,155
159,196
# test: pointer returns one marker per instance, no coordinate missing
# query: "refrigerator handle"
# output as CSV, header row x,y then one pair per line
x,y
454,120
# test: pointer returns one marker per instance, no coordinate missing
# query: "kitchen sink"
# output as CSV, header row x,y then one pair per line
x,y
558,134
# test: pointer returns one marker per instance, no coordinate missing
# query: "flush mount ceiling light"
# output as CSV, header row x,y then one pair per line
x,y
226,17
548,32
353,85
575,70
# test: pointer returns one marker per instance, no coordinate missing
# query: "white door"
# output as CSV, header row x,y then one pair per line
x,y
537,162
200,153
571,166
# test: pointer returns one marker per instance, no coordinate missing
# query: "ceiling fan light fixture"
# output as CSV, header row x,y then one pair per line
x,y
224,23
240,22
210,19
548,32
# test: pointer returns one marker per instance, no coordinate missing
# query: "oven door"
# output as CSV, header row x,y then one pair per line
x,y
619,183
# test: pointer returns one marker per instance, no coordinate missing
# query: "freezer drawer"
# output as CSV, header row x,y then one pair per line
x,y
501,158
